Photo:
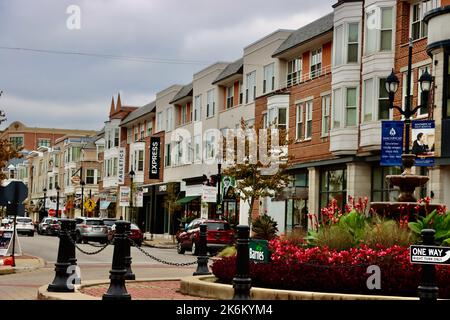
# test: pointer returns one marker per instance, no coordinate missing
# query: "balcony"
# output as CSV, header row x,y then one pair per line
x,y
370,136
344,141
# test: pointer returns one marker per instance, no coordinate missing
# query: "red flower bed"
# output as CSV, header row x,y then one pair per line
x,y
322,270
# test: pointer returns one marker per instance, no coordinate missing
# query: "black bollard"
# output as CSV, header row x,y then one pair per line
x,y
117,289
73,235
242,281
428,289
129,275
202,259
61,281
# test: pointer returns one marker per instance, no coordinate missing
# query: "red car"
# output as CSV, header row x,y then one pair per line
x,y
136,234
219,236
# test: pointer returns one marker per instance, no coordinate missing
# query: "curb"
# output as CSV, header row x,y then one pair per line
x,y
159,246
43,294
7,270
205,287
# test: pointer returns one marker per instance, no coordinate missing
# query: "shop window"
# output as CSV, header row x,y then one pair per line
x,y
381,190
333,185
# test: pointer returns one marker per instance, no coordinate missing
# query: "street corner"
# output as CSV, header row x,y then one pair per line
x,y
28,263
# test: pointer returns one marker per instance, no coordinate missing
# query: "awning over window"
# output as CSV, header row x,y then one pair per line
x,y
187,199
104,204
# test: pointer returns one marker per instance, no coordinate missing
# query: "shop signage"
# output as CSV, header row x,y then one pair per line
x,y
227,186
6,243
391,143
155,145
121,169
429,254
209,194
139,199
423,137
124,196
259,250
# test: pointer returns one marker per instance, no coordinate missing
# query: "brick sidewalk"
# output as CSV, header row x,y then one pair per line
x,y
151,290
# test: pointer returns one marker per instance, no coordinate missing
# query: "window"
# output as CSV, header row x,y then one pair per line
x,y
352,42
139,156
197,108
299,122
116,137
197,148
282,118
149,128
269,78
210,104
294,72
241,94
447,87
405,89
383,101
316,63
142,131
115,167
16,142
386,29
419,29
159,121
230,96
136,133
379,30
183,119
168,155
169,119
333,185
326,104
210,142
308,119
264,120
272,119
424,109
250,90
129,135
44,143
368,100
50,183
381,190
90,176
337,107
350,107
75,154
338,45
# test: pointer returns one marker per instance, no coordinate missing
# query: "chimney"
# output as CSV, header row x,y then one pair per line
x,y
113,108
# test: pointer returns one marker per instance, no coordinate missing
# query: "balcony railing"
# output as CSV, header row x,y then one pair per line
x,y
305,77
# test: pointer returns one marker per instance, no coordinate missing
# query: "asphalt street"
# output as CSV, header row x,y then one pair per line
x,y
24,285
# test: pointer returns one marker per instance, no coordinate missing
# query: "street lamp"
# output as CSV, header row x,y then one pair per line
x,y
82,183
392,87
57,200
132,175
45,200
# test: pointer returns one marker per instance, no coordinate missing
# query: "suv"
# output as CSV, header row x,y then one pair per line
x,y
109,222
42,227
91,229
25,225
219,236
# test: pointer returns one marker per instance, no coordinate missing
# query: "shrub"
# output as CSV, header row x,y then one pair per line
x,y
264,227
386,233
227,252
439,220
325,270
296,237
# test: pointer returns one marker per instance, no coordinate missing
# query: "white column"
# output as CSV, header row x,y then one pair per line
x,y
313,192
359,180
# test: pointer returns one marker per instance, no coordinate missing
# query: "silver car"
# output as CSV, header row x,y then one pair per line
x,y
91,229
25,225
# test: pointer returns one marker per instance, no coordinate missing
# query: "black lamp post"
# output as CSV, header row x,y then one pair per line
x,y
45,200
132,175
57,200
392,87
219,200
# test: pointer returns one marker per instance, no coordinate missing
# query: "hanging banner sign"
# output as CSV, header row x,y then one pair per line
x,y
139,199
391,143
124,196
121,171
155,146
423,137
209,194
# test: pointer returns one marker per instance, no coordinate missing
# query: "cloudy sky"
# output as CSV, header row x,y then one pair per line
x,y
172,39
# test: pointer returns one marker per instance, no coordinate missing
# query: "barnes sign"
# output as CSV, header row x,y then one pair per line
x,y
259,250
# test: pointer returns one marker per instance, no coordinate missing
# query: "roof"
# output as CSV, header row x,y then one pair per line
x,y
15,161
306,33
139,112
183,93
232,69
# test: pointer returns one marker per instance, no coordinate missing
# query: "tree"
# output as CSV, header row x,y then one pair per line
x,y
259,178
7,150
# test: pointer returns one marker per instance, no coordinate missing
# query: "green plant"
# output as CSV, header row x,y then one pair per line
x,y
227,252
296,237
437,220
387,233
264,227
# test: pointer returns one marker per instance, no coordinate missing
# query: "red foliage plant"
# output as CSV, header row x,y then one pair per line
x,y
323,270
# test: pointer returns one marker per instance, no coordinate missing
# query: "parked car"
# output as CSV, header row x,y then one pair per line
x,y
136,234
91,229
219,236
109,222
42,227
53,228
25,225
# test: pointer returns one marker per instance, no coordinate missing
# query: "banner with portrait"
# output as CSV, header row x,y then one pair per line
x,y
423,140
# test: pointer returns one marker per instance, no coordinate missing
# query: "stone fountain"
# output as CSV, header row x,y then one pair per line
x,y
407,182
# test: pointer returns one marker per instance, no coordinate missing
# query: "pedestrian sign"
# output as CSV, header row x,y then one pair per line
x,y
89,205
429,254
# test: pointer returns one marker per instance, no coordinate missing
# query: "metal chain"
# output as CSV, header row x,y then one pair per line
x,y
87,252
182,264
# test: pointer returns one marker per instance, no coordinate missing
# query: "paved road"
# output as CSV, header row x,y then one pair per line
x,y
23,286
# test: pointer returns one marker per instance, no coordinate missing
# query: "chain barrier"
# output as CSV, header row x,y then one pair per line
x,y
178,264
87,252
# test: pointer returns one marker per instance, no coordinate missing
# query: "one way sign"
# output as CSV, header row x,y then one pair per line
x,y
429,255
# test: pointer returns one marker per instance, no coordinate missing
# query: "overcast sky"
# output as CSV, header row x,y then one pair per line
x,y
181,36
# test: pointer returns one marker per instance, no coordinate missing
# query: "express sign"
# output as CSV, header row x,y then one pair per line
x,y
429,255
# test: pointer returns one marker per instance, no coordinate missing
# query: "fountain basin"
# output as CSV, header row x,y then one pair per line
x,y
407,184
395,209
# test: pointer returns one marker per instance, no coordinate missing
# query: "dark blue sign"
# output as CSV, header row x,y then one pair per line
x,y
391,143
423,135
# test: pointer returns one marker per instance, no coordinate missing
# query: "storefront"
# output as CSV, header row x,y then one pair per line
x,y
297,203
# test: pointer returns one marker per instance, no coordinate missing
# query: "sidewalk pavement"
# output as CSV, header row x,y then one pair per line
x,y
160,243
23,263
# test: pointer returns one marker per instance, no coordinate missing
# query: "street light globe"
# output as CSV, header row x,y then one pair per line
x,y
425,81
392,83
